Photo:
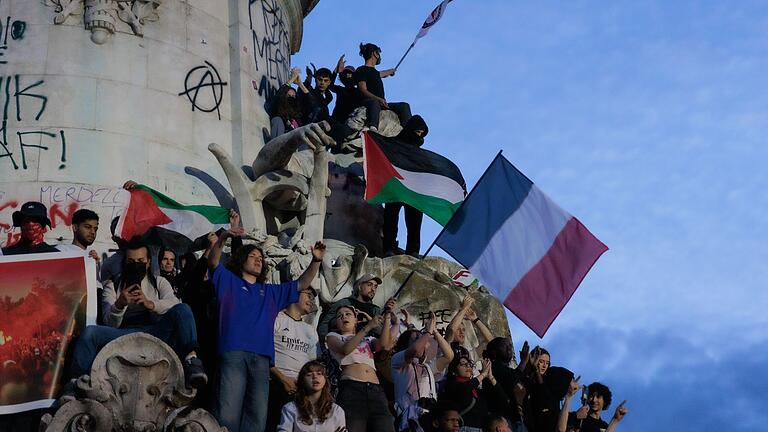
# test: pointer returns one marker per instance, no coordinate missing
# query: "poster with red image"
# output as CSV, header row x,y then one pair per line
x,y
45,300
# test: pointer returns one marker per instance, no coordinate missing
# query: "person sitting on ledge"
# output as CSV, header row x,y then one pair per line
x,y
372,88
141,302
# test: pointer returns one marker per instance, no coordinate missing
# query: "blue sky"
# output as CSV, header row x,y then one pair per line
x,y
647,121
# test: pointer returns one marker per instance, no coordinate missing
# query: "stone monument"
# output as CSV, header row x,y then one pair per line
x,y
171,94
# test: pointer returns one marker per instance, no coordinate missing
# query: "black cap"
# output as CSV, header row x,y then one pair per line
x,y
31,210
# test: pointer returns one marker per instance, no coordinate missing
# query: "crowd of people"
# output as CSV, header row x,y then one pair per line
x,y
298,103
363,368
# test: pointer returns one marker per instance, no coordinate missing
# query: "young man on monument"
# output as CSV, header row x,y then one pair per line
x,y
247,306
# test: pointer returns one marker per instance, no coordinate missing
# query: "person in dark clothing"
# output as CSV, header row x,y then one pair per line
x,y
196,290
287,111
141,302
369,81
464,390
587,418
541,406
413,133
32,219
347,95
499,352
315,102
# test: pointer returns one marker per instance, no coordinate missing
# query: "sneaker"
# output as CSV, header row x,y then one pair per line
x,y
194,374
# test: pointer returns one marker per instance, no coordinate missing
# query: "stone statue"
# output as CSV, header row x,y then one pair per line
x,y
289,185
136,384
104,17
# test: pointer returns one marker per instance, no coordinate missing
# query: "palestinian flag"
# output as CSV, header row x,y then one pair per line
x,y
399,172
149,208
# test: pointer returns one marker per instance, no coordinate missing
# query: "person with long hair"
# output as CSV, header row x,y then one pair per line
x,y
248,306
360,392
287,114
313,408
541,406
465,391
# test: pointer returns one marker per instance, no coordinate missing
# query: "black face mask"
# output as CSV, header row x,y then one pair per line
x,y
133,273
347,80
410,137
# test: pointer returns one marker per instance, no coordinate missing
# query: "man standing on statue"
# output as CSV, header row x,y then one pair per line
x,y
413,133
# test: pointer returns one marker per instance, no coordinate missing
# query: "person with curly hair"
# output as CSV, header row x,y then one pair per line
x,y
588,417
313,409
248,306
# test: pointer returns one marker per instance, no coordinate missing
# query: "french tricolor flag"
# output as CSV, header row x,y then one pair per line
x,y
530,253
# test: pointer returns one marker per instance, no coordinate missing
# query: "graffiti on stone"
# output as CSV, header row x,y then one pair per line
x,y
10,29
443,317
271,43
204,88
26,102
62,201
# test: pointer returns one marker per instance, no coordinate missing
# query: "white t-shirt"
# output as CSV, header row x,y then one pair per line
x,y
362,354
295,344
289,421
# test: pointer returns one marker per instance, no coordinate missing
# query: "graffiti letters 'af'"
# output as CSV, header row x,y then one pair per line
x,y
204,88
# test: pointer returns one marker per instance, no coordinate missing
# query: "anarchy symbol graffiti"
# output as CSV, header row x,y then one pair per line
x,y
207,79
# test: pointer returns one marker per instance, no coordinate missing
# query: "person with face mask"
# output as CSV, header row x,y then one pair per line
x,y
287,111
369,82
141,302
347,94
32,219
413,133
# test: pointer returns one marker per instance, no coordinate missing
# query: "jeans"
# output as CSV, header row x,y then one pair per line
x,y
176,327
373,111
413,220
365,407
242,391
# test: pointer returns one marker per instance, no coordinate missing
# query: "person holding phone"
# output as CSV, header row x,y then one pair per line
x,y
141,302
588,417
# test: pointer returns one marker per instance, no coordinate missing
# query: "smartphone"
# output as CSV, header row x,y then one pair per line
x,y
133,275
584,395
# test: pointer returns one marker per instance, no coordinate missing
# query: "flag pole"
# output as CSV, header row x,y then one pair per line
x,y
434,242
406,53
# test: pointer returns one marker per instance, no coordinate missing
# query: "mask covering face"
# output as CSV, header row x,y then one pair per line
x,y
134,273
33,232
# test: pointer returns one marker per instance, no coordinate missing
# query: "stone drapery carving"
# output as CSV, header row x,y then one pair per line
x,y
105,17
136,384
